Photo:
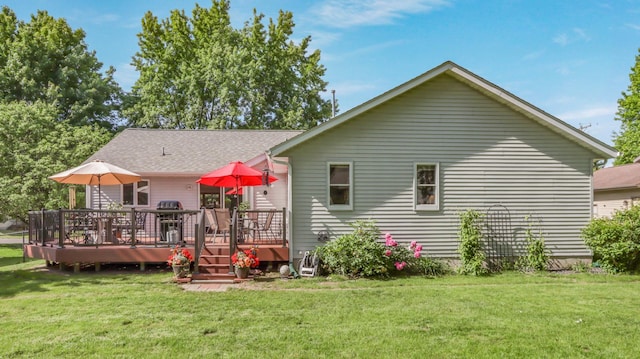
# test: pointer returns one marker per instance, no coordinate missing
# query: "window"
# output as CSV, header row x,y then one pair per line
x,y
136,194
340,186
426,186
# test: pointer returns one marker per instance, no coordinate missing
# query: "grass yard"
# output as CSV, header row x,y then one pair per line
x,y
131,315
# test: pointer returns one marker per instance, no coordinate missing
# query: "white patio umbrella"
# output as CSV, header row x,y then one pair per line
x,y
96,173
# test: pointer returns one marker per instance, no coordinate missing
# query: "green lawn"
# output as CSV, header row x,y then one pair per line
x,y
132,315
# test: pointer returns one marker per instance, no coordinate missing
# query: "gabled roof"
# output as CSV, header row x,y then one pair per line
x,y
618,177
186,152
602,150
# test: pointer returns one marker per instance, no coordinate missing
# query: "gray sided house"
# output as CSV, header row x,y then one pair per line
x,y
170,162
415,157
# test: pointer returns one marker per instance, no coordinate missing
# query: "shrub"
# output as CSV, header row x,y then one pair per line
x,y
360,254
615,242
357,254
470,249
537,256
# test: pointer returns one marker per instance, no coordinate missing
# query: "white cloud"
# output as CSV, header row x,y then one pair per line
x,y
589,113
561,39
533,55
633,26
126,75
576,34
349,13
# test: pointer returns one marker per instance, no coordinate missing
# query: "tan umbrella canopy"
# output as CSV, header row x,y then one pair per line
x,y
96,173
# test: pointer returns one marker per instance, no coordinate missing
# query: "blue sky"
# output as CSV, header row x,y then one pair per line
x,y
571,58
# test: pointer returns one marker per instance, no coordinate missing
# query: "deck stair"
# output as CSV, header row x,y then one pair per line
x,y
213,266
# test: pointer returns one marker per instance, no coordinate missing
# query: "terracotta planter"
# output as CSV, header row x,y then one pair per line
x,y
242,273
180,271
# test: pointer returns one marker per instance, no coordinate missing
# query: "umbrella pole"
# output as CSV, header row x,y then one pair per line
x,y
99,195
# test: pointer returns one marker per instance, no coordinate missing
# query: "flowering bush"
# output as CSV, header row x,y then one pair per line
x,y
401,257
179,256
246,259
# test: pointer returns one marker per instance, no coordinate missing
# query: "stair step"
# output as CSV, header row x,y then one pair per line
x,y
198,277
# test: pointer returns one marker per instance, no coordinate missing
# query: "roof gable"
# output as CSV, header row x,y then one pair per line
x,y
186,152
600,149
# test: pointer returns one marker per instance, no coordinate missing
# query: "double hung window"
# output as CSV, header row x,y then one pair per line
x,y
340,185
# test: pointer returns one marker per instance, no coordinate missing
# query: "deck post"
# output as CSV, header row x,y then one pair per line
x,y
43,229
61,232
133,225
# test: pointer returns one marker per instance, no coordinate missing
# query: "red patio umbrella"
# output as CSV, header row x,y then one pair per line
x,y
233,191
236,175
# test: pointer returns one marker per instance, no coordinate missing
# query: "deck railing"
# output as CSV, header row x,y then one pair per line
x,y
88,227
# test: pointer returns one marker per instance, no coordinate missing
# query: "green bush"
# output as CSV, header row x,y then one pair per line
x,y
470,249
615,241
357,254
537,256
360,254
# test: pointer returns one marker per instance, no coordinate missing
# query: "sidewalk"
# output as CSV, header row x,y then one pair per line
x,y
11,240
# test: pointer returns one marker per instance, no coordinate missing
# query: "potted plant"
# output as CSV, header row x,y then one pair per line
x,y
180,260
244,260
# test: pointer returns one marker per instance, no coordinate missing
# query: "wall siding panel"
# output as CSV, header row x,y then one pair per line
x,y
488,154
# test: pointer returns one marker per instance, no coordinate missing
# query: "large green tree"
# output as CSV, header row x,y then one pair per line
x,y
628,140
35,144
45,60
199,72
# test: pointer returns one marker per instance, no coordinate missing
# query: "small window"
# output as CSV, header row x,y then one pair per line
x,y
136,194
426,186
340,186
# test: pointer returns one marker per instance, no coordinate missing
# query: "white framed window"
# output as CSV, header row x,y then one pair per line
x,y
426,186
340,185
136,194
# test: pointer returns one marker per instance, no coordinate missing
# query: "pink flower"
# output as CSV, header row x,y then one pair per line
x,y
413,244
418,248
387,253
400,265
416,254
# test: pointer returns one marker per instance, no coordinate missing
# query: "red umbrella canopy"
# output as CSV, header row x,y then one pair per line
x,y
235,174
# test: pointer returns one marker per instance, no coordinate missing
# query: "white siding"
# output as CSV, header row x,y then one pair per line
x,y
487,154
183,189
607,202
276,197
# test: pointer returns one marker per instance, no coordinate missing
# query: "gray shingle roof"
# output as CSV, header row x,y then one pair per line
x,y
618,177
186,152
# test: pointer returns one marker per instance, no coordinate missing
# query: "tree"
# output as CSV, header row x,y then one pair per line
x,y
45,60
35,144
200,72
628,141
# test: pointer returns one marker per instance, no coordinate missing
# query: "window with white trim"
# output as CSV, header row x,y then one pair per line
x,y
136,194
426,186
340,185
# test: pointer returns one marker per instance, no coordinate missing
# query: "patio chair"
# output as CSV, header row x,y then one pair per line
x,y
137,226
209,221
264,227
223,223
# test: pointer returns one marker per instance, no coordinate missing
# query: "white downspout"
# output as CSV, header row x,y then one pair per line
x,y
289,209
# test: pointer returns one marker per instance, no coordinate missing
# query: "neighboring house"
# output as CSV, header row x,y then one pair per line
x,y
615,188
170,162
415,157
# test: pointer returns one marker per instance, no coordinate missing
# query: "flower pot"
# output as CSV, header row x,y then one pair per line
x,y
180,271
242,272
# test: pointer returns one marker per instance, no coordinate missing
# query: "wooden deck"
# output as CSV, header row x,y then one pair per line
x,y
70,255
